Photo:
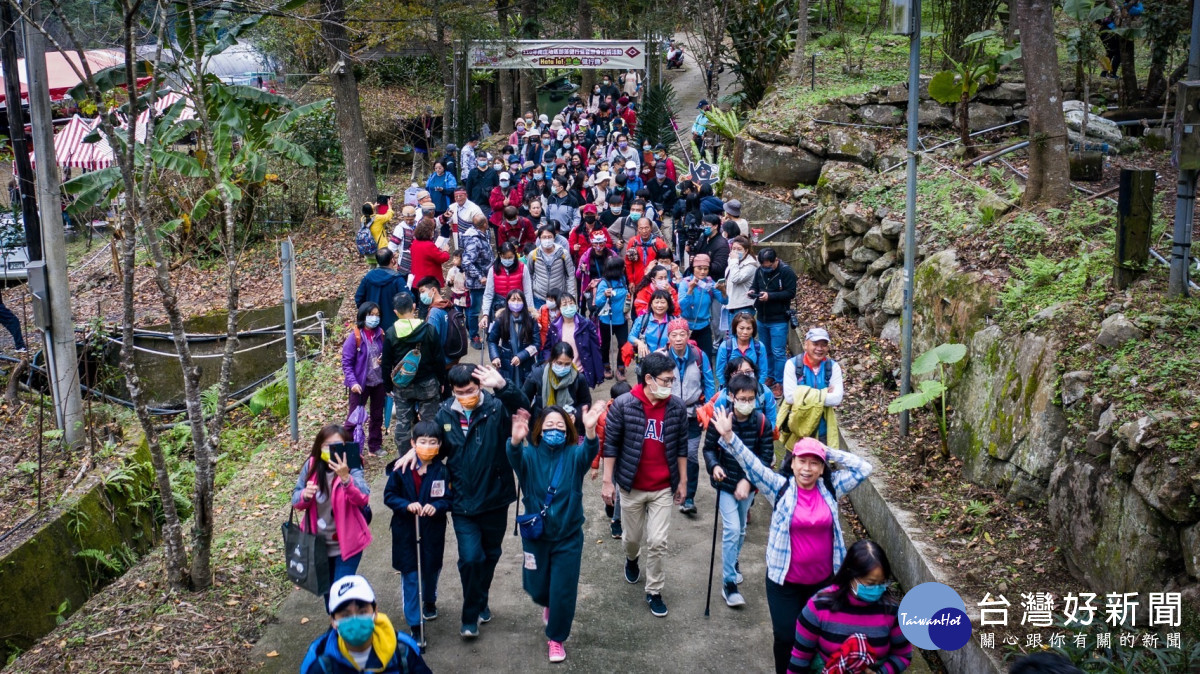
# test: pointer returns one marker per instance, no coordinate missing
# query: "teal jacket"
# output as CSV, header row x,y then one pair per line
x,y
535,466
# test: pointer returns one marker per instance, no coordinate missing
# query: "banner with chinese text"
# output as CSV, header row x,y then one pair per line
x,y
542,54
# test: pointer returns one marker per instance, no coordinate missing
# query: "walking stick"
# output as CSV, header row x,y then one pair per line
x,y
712,556
421,585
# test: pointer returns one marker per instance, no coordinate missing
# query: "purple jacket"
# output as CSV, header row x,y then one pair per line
x,y
583,271
354,356
587,342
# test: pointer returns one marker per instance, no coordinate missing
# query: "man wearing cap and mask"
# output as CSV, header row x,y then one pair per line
x,y
461,214
633,181
662,188
360,638
812,385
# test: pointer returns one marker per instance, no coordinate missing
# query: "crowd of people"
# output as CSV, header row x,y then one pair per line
x,y
507,292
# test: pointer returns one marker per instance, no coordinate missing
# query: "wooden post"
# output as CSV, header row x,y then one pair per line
x,y
1135,217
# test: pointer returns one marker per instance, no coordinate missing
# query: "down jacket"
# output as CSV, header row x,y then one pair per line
x,y
550,271
757,433
625,431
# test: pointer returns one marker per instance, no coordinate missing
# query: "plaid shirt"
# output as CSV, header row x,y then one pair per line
x,y
853,470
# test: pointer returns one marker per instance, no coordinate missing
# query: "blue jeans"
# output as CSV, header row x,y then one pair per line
x,y
473,311
412,598
537,304
733,532
13,324
774,337
479,540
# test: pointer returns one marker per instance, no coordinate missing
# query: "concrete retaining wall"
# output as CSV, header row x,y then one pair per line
x,y
45,568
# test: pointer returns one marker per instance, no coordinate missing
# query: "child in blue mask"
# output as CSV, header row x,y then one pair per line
x,y
360,638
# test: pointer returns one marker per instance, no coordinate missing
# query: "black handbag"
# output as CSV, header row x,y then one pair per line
x,y
531,525
306,557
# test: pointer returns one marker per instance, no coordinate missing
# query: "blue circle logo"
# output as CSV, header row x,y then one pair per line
x,y
932,616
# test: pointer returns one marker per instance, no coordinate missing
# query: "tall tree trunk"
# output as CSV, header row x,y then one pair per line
x,y
360,176
588,79
506,76
1049,173
796,69
529,31
1129,82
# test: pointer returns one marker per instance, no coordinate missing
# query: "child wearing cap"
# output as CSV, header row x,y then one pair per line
x,y
360,638
805,546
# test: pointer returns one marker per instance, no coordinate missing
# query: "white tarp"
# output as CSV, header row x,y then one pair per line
x,y
542,54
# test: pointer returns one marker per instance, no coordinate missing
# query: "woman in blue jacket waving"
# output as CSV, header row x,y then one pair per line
x,y
550,467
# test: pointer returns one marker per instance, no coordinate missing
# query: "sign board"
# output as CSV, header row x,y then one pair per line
x,y
543,54
703,173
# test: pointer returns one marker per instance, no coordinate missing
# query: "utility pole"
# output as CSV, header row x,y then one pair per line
x,y
287,258
61,340
16,130
1185,189
910,206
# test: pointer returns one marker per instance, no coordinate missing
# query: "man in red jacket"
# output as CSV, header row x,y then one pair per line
x,y
515,228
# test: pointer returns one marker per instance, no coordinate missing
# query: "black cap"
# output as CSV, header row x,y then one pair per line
x,y
382,198
703,102
660,146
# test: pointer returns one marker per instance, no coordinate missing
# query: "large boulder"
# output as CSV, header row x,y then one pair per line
x,y
1109,536
1164,481
1189,540
1005,92
868,290
1099,128
985,116
848,145
883,115
756,207
782,165
893,299
1006,426
875,240
932,113
843,276
865,255
1116,330
835,112
882,262
857,218
840,179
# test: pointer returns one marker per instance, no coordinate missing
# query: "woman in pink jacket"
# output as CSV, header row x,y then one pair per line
x,y
333,497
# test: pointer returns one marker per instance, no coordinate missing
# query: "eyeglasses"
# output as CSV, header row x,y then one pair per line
x,y
668,382
743,400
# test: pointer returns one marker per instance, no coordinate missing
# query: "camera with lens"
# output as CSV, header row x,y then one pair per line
x,y
692,231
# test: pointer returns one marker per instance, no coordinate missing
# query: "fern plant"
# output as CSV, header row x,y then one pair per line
x,y
656,119
726,124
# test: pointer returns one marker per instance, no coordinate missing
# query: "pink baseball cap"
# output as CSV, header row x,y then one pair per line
x,y
809,447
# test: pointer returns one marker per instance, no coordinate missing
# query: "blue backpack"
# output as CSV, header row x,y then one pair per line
x,y
365,241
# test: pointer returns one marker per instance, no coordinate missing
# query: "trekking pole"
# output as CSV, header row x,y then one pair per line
x,y
421,585
712,556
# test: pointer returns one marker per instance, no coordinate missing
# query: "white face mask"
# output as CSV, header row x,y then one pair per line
x,y
743,408
547,244
659,392
662,284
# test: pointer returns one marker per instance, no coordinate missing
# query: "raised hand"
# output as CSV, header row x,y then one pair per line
x,y
520,426
489,377
591,417
337,462
722,423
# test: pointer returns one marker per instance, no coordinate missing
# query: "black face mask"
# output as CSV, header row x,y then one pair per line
x,y
589,218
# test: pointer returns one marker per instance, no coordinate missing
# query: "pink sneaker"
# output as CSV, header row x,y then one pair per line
x,y
557,652
546,616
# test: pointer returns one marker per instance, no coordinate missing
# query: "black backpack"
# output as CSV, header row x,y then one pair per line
x,y
457,337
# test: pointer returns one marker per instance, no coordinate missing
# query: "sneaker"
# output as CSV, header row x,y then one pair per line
x,y
733,598
476,344
485,616
737,568
557,652
633,574
469,631
546,616
415,633
688,507
614,528
657,606
429,610
609,511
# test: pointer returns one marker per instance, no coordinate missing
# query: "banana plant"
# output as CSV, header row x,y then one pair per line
x,y
959,84
931,389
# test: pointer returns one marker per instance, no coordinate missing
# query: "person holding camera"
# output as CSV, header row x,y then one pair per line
x,y
773,289
712,244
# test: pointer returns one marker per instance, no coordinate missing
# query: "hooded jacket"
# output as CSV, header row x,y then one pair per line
x,y
780,286
479,470
564,211
535,466
404,336
480,182
391,653
380,285
477,257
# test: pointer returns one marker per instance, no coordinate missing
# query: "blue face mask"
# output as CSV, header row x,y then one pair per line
x,y
372,321
356,630
869,593
560,370
569,311
554,437
708,231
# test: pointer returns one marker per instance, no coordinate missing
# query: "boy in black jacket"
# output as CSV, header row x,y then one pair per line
x,y
407,334
728,478
423,493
